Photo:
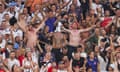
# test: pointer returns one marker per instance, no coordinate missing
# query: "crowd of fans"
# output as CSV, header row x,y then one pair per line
x,y
59,35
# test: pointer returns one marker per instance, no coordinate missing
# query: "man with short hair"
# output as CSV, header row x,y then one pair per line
x,y
75,38
11,61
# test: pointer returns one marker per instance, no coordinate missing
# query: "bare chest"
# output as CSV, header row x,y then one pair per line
x,y
75,33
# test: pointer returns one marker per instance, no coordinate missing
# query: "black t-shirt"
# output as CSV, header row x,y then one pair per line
x,y
61,55
44,38
84,5
57,53
79,63
106,6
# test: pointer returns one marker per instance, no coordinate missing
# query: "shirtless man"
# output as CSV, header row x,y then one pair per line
x,y
30,32
59,40
74,37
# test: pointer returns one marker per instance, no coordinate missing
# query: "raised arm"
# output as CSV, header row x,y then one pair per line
x,y
64,29
87,29
40,49
22,25
35,17
90,3
11,35
66,3
41,25
111,47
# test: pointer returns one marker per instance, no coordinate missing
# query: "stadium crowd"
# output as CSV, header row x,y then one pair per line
x,y
59,35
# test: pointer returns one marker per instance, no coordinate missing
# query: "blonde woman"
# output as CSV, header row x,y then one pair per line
x,y
28,64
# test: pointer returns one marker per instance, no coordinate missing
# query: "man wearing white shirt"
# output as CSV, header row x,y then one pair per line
x,y
15,32
75,2
2,42
2,12
14,9
38,12
95,5
12,61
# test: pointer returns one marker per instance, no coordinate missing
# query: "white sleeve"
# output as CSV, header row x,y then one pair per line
x,y
17,15
3,44
99,58
17,63
93,6
78,3
40,16
23,63
20,33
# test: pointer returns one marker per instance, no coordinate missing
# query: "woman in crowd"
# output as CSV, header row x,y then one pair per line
x,y
28,64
